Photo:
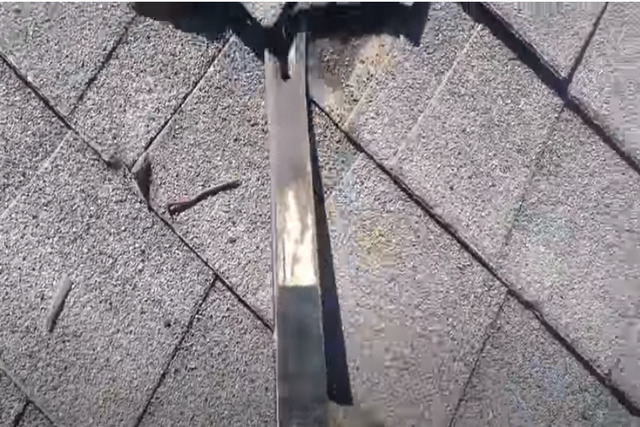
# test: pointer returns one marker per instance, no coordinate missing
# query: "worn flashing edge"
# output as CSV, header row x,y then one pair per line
x,y
301,391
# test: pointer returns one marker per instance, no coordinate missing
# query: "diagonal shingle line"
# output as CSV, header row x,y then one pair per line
x,y
49,105
535,61
103,64
505,243
187,328
585,45
476,363
219,276
185,97
512,291
31,398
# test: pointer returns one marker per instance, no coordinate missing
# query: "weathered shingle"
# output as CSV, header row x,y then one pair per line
x,y
607,82
414,306
526,378
61,46
134,286
575,252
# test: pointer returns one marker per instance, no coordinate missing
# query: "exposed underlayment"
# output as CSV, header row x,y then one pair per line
x,y
480,174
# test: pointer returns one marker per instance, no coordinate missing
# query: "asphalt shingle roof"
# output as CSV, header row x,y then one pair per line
x,y
480,207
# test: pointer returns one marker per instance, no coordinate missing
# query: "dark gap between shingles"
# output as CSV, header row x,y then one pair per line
x,y
103,65
18,418
174,352
428,210
585,45
528,55
490,330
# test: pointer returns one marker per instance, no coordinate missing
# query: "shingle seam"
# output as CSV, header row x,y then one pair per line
x,y
103,64
490,330
585,46
49,105
31,398
468,247
174,352
531,58
149,144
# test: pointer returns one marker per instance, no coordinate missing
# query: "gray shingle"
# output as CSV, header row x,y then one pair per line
x,y
266,13
403,89
223,373
345,65
133,289
150,73
11,401
59,46
556,30
29,134
470,153
575,251
607,82
342,71
34,418
220,135
526,378
415,307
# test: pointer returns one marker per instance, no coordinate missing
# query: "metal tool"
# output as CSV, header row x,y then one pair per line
x,y
300,362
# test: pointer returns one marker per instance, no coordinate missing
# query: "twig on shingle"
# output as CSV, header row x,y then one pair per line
x,y
175,208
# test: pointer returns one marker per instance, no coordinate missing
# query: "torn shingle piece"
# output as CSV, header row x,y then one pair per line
x,y
175,208
142,174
